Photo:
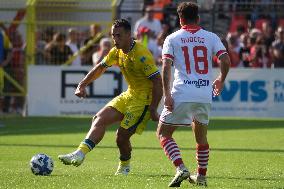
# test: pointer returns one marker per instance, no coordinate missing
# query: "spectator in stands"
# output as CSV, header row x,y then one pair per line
x,y
160,41
258,54
105,46
95,30
240,30
277,49
59,52
93,46
40,57
73,44
233,50
144,36
267,32
244,50
148,21
253,34
158,6
49,37
171,16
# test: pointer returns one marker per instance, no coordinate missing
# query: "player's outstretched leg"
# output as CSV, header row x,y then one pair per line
x,y
101,120
77,157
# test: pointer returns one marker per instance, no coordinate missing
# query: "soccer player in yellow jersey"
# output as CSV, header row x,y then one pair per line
x,y
132,108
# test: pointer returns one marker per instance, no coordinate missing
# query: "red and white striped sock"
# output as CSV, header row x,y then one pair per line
x,y
202,157
172,151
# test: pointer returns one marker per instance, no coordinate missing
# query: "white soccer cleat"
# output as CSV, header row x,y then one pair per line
x,y
199,180
180,176
122,170
75,158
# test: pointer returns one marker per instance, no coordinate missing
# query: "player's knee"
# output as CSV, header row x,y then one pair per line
x,y
159,135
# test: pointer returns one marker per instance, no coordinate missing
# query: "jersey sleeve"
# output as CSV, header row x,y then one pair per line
x,y
168,50
148,65
111,58
218,47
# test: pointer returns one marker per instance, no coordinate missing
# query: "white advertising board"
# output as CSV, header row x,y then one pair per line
x,y
51,90
247,92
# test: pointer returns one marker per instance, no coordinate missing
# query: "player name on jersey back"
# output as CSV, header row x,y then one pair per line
x,y
196,39
192,49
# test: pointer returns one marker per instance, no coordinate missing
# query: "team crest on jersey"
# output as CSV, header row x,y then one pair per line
x,y
142,59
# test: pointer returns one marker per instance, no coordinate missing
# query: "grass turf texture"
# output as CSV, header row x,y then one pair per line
x,y
245,153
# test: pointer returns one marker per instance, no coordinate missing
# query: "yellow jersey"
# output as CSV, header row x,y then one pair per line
x,y
137,67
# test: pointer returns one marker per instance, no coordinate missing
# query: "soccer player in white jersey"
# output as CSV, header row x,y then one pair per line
x,y
190,50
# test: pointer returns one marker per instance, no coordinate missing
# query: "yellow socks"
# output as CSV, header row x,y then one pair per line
x,y
86,146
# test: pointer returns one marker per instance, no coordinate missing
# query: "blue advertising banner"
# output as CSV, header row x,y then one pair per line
x,y
251,93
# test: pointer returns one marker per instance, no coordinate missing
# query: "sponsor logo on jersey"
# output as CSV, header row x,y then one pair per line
x,y
142,59
198,83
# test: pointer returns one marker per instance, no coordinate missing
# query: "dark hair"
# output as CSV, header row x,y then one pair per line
x,y
60,37
188,11
122,23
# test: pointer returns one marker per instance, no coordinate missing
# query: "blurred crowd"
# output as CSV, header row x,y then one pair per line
x,y
256,47
249,45
56,48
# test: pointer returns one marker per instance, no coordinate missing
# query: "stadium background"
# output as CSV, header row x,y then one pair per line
x,y
245,153
31,23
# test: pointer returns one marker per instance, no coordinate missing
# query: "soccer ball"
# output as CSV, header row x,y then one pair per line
x,y
41,164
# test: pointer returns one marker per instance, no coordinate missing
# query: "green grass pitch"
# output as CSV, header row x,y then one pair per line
x,y
245,153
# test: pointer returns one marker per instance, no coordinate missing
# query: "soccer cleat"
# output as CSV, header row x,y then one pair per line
x,y
122,170
199,180
75,158
181,175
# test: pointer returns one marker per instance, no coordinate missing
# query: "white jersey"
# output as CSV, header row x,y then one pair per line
x,y
154,25
192,49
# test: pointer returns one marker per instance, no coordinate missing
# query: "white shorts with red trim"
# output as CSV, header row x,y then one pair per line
x,y
186,112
